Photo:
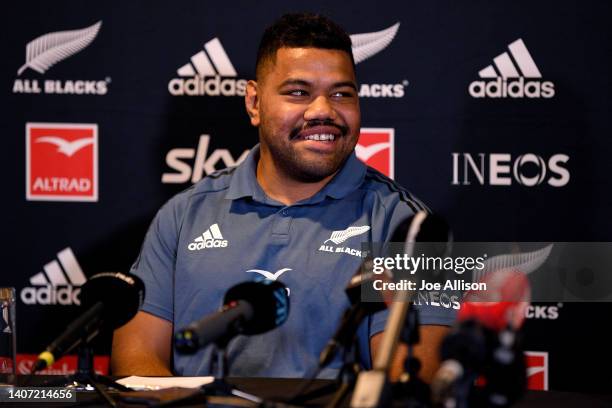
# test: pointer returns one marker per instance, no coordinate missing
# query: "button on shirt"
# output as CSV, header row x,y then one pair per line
x,y
225,230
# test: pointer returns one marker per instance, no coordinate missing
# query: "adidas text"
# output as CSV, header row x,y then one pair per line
x,y
51,295
211,243
500,88
214,86
66,87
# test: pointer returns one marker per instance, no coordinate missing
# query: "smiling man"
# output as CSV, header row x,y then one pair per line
x,y
275,216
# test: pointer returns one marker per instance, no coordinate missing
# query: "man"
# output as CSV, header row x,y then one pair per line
x,y
274,215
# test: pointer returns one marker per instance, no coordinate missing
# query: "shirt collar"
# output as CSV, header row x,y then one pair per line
x,y
244,181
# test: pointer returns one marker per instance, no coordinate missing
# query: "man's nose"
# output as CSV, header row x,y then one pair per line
x,y
320,108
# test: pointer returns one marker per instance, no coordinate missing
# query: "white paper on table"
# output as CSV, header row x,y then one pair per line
x,y
157,383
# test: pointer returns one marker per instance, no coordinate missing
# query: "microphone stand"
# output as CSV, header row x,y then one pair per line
x,y
219,387
85,374
346,377
410,386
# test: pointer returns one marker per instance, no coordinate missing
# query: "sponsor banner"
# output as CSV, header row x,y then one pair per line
x,y
376,147
506,169
536,363
64,366
49,49
209,72
191,165
59,283
537,370
61,162
366,45
512,75
543,312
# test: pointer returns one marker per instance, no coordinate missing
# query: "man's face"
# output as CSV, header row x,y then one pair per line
x,y
307,111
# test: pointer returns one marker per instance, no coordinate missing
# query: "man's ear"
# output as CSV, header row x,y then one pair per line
x,y
251,101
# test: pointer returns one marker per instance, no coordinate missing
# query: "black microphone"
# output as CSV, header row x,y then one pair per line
x,y
110,300
248,308
358,311
422,233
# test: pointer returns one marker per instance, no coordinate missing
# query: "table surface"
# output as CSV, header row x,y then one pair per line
x,y
279,387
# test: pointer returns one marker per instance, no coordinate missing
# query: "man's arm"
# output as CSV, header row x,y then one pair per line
x,y
142,347
427,351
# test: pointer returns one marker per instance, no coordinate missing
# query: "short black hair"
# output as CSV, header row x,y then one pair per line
x,y
302,30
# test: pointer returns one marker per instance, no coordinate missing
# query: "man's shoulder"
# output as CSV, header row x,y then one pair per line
x,y
217,182
389,191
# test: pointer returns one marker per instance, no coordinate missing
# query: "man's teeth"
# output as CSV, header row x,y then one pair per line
x,y
321,137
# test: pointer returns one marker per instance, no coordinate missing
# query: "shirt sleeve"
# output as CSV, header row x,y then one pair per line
x,y
156,261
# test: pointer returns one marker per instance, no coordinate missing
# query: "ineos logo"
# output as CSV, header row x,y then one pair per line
x,y
499,169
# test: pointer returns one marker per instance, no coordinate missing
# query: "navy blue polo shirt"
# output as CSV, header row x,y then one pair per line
x,y
225,230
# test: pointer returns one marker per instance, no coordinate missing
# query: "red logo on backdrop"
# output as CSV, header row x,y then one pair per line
x,y
63,366
537,370
62,161
375,148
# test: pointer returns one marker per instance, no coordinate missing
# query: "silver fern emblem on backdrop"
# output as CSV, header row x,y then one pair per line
x,y
338,237
366,45
49,49
526,262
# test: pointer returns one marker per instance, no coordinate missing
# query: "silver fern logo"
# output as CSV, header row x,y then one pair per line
x,y
45,51
339,237
366,45
49,49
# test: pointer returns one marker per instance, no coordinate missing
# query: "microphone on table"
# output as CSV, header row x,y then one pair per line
x,y
485,342
421,233
358,311
248,308
110,300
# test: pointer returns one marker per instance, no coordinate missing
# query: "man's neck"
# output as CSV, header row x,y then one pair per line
x,y
284,189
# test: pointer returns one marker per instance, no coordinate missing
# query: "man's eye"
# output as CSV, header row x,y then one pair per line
x,y
297,92
342,94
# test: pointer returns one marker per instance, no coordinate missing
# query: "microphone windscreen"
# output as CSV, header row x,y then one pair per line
x,y
503,303
269,300
122,295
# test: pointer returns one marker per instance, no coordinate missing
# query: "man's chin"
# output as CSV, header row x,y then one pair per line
x,y
314,173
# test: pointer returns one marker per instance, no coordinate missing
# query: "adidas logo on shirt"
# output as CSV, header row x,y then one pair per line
x,y
211,238
58,284
202,75
499,77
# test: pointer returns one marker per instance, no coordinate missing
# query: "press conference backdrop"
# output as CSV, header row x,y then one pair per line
x,y
494,113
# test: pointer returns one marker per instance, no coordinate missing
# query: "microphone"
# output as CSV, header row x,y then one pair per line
x,y
503,304
248,308
485,340
421,233
110,300
358,311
